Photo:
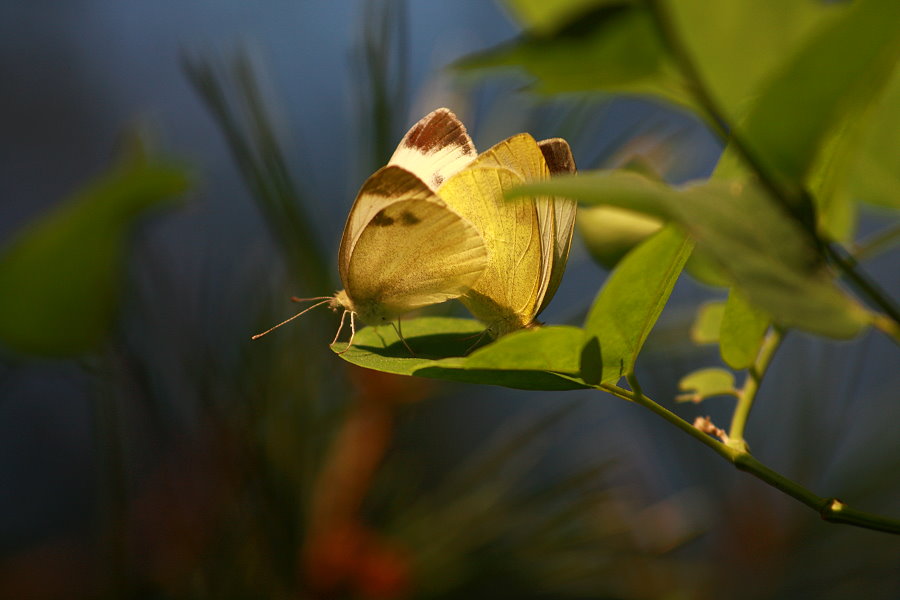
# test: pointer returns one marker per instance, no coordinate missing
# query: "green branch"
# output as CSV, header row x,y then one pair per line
x,y
830,509
747,394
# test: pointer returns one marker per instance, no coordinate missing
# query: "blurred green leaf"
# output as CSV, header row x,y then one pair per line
x,y
705,329
743,329
624,189
609,233
839,73
632,299
770,257
62,274
736,225
544,17
738,44
612,48
705,383
875,175
549,348
545,358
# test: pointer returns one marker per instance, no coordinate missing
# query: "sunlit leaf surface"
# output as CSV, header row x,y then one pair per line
x,y
838,74
632,299
705,329
545,358
875,176
738,44
742,331
706,383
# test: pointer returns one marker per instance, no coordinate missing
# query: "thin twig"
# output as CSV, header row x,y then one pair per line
x,y
830,509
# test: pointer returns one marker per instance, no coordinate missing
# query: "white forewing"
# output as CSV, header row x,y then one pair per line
x,y
386,185
435,148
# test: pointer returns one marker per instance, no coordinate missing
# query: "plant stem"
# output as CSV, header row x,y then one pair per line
x,y
887,326
863,284
830,509
876,243
715,114
791,196
639,398
747,393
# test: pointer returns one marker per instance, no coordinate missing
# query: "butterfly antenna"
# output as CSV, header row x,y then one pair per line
x,y
305,310
399,329
352,331
296,299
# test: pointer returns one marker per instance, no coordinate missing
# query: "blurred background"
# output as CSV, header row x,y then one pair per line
x,y
184,461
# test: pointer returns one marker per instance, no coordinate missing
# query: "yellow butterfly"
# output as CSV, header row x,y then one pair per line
x,y
433,225
403,247
528,240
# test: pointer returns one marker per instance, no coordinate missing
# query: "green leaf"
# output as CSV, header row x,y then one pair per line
x,y
624,189
743,329
736,45
632,299
770,257
544,358
612,48
875,176
839,72
609,233
706,383
546,17
739,228
62,274
705,329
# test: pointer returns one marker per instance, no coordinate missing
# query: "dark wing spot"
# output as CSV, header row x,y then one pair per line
x,y
407,218
381,219
437,130
558,156
438,179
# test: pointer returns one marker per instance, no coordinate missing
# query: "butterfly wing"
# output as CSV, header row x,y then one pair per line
x,y
382,188
436,148
411,252
521,154
560,161
505,295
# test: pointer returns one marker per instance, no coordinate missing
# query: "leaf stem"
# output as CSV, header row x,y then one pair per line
x,y
747,393
830,509
863,284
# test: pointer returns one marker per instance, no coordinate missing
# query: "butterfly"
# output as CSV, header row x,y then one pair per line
x,y
528,240
433,225
403,247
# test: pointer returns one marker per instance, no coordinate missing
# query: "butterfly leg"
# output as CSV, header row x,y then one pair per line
x,y
352,330
399,329
340,327
479,338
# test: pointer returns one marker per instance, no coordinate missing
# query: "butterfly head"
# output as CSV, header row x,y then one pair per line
x,y
370,312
